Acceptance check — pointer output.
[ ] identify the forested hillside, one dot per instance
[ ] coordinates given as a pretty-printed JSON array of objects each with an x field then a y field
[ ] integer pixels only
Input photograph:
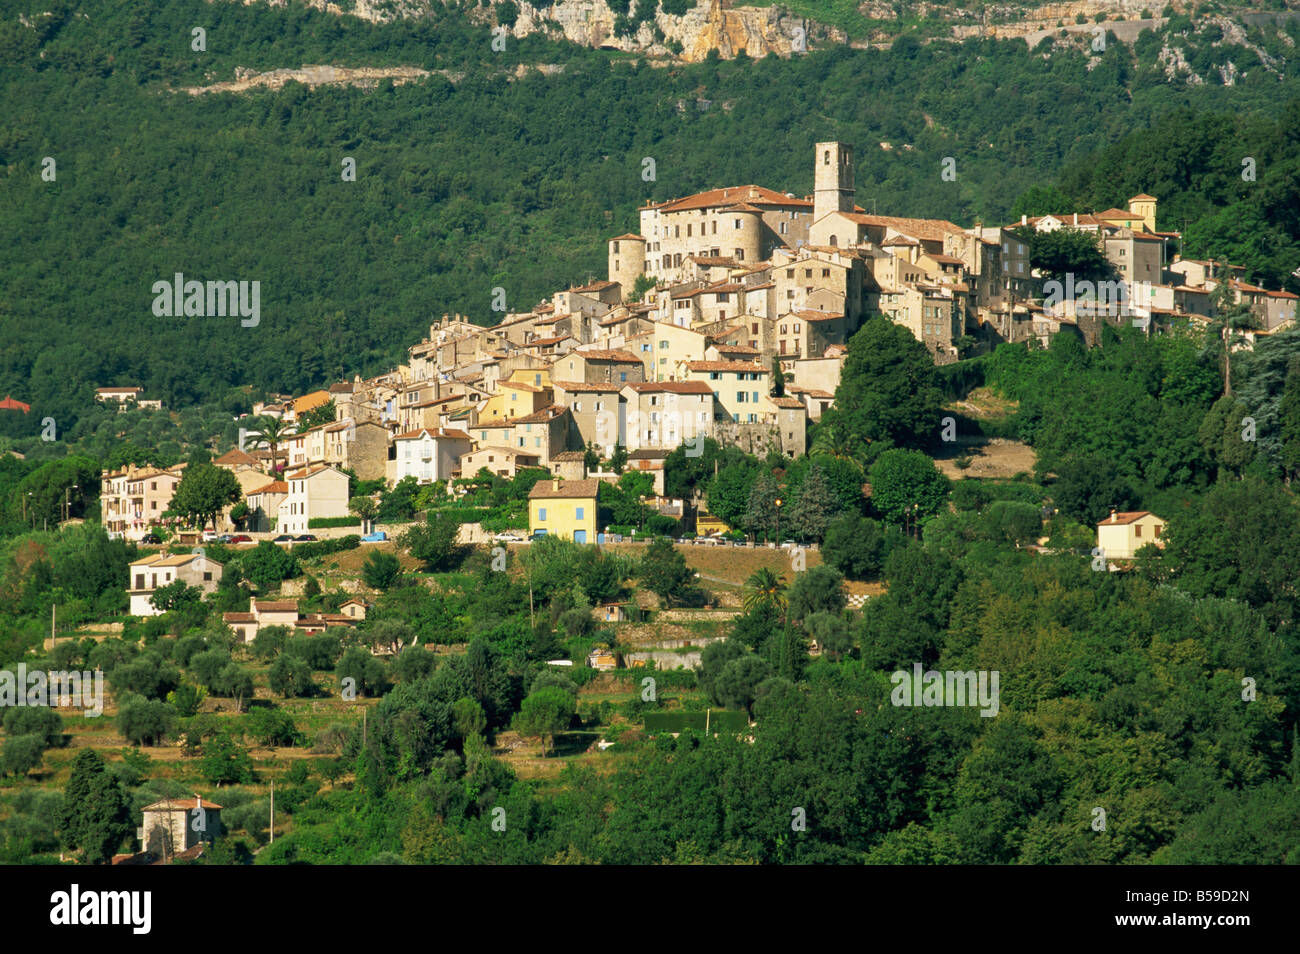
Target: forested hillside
[{"x": 479, "y": 178}]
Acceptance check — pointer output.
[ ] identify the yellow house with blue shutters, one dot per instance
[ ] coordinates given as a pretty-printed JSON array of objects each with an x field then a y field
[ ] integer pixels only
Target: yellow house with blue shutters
[{"x": 563, "y": 508}]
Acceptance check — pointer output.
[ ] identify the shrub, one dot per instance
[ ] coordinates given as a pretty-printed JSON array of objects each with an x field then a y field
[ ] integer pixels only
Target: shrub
[
  {"x": 324, "y": 523},
  {"x": 145, "y": 721}
]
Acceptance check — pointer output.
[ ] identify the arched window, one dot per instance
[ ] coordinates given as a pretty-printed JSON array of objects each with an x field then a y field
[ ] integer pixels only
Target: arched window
[
  {"x": 826, "y": 158},
  {"x": 834, "y": 242}
]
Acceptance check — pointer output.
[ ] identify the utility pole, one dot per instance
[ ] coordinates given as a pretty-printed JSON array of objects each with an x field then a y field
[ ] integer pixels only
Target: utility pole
[
  {"x": 273, "y": 811},
  {"x": 52, "y": 607}
]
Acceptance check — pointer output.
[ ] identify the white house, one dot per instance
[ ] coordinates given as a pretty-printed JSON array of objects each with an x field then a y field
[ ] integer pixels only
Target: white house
[
  {"x": 315, "y": 491},
  {"x": 427, "y": 454},
  {"x": 147, "y": 575}
]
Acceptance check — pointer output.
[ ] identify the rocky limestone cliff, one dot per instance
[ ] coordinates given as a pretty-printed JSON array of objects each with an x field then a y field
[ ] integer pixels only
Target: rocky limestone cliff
[{"x": 712, "y": 25}]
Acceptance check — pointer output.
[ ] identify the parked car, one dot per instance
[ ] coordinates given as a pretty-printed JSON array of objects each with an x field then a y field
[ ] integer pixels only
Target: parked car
[
  {"x": 226, "y": 538},
  {"x": 508, "y": 538},
  {"x": 240, "y": 538},
  {"x": 151, "y": 538},
  {"x": 377, "y": 537},
  {"x": 305, "y": 538},
  {"x": 210, "y": 536},
  {"x": 283, "y": 538}
]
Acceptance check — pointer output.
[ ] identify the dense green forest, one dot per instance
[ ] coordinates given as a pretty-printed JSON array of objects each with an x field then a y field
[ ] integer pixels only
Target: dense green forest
[
  {"x": 1165, "y": 697},
  {"x": 474, "y": 178}
]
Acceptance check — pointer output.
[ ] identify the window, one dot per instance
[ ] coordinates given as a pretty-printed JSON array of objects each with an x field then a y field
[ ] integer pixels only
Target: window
[
  {"x": 789, "y": 273},
  {"x": 677, "y": 231},
  {"x": 724, "y": 296},
  {"x": 153, "y": 485},
  {"x": 715, "y": 226},
  {"x": 1158, "y": 529},
  {"x": 207, "y": 577},
  {"x": 784, "y": 329},
  {"x": 541, "y": 513},
  {"x": 579, "y": 512},
  {"x": 622, "y": 376},
  {"x": 688, "y": 230},
  {"x": 796, "y": 329},
  {"x": 754, "y": 398},
  {"x": 753, "y": 328},
  {"x": 663, "y": 346},
  {"x": 826, "y": 273},
  {"x": 735, "y": 223},
  {"x": 1137, "y": 529},
  {"x": 807, "y": 273},
  {"x": 740, "y": 254}
]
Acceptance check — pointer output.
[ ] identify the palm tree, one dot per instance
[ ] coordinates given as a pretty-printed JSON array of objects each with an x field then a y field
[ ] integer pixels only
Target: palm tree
[
  {"x": 270, "y": 431},
  {"x": 764, "y": 588},
  {"x": 832, "y": 439}
]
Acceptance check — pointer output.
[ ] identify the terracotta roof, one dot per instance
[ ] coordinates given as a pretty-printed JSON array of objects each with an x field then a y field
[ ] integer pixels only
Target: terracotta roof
[
  {"x": 547, "y": 490},
  {"x": 504, "y": 451},
  {"x": 1282, "y": 294},
  {"x": 545, "y": 415},
  {"x": 238, "y": 618},
  {"x": 924, "y": 229},
  {"x": 618, "y": 356},
  {"x": 729, "y": 196},
  {"x": 563, "y": 456},
  {"x": 671, "y": 387},
  {"x": 735, "y": 349},
  {"x": 598, "y": 387},
  {"x": 1143, "y": 197},
  {"x": 793, "y": 403},
  {"x": 275, "y": 487},
  {"x": 176, "y": 804},
  {"x": 521, "y": 386},
  {"x": 9, "y": 404},
  {"x": 434, "y": 432},
  {"x": 596, "y": 286},
  {"x": 630, "y": 236},
  {"x": 546, "y": 342},
  {"x": 119, "y": 390},
  {"x": 235, "y": 456},
  {"x": 343, "y": 387},
  {"x": 811, "y": 392},
  {"x": 649, "y": 453},
  {"x": 818, "y": 315},
  {"x": 1124, "y": 517},
  {"x": 945, "y": 259},
  {"x": 725, "y": 366},
  {"x": 311, "y": 471},
  {"x": 276, "y": 606}
]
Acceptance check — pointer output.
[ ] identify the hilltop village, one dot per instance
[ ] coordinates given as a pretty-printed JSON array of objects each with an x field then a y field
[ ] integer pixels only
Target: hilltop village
[{"x": 728, "y": 316}]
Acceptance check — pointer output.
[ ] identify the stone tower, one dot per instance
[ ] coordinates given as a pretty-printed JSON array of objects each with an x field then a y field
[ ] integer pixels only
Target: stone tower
[
  {"x": 626, "y": 261},
  {"x": 833, "y": 179}
]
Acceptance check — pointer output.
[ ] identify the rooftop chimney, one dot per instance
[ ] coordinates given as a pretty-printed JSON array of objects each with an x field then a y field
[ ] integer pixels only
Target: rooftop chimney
[
  {"x": 1112, "y": 514},
  {"x": 1076, "y": 219},
  {"x": 555, "y": 486},
  {"x": 1024, "y": 219}
]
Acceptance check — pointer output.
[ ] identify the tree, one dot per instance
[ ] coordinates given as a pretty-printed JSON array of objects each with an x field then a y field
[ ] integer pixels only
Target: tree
[
  {"x": 225, "y": 761},
  {"x": 1288, "y": 413},
  {"x": 737, "y": 684},
  {"x": 814, "y": 506},
  {"x": 1066, "y": 251},
  {"x": 618, "y": 460},
  {"x": 433, "y": 542},
  {"x": 45, "y": 724},
  {"x": 856, "y": 546},
  {"x": 761, "y": 515},
  {"x": 1224, "y": 330},
  {"x": 1221, "y": 434},
  {"x": 369, "y": 676},
  {"x": 291, "y": 676},
  {"x": 363, "y": 507},
  {"x": 266, "y": 565},
  {"x": 545, "y": 713},
  {"x": 816, "y": 590},
  {"x": 95, "y": 817},
  {"x": 146, "y": 721},
  {"x": 764, "y": 588},
  {"x": 268, "y": 431},
  {"x": 889, "y": 389},
  {"x": 905, "y": 485},
  {"x": 832, "y": 633},
  {"x": 663, "y": 570},
  {"x": 1040, "y": 200},
  {"x": 176, "y": 595},
  {"x": 590, "y": 459},
  {"x": 315, "y": 417},
  {"x": 778, "y": 378},
  {"x": 22, "y": 753},
  {"x": 381, "y": 570},
  {"x": 1087, "y": 487},
  {"x": 729, "y": 490},
  {"x": 234, "y": 683},
  {"x": 204, "y": 492}
]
